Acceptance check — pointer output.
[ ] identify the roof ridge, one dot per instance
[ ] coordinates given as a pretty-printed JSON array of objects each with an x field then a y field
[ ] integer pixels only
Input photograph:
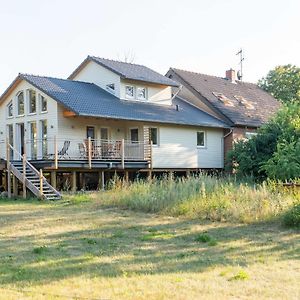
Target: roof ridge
[
  {"x": 51, "y": 77},
  {"x": 214, "y": 76},
  {"x": 119, "y": 61}
]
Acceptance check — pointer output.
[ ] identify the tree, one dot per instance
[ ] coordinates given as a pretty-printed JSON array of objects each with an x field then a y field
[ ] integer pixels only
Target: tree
[
  {"x": 275, "y": 151},
  {"x": 283, "y": 83}
]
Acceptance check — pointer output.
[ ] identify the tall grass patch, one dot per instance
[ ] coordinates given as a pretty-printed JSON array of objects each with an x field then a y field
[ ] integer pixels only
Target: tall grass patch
[{"x": 203, "y": 197}]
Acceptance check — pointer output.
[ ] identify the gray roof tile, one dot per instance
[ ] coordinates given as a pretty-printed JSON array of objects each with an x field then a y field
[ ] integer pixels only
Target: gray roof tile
[
  {"x": 264, "y": 104},
  {"x": 87, "y": 99}
]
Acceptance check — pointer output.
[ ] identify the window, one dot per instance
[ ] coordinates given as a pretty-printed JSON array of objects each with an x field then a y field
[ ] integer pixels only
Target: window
[
  {"x": 141, "y": 93},
  {"x": 200, "y": 139},
  {"x": 250, "y": 135},
  {"x": 32, "y": 101},
  {"x": 43, "y": 104},
  {"x": 134, "y": 135},
  {"x": 153, "y": 135},
  {"x": 90, "y": 132},
  {"x": 44, "y": 137},
  {"x": 10, "y": 112},
  {"x": 104, "y": 133},
  {"x": 111, "y": 87},
  {"x": 20, "y": 98},
  {"x": 33, "y": 140},
  {"x": 129, "y": 92}
]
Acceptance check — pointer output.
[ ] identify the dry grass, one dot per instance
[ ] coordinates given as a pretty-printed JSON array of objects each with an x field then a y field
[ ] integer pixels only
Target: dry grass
[{"x": 67, "y": 251}]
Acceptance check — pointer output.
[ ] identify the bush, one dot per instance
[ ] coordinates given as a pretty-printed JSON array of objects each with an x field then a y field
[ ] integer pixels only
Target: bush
[{"x": 292, "y": 217}]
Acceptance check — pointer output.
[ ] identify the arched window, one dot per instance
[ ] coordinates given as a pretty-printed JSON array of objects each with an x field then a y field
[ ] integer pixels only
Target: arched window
[
  {"x": 20, "y": 101},
  {"x": 32, "y": 101}
]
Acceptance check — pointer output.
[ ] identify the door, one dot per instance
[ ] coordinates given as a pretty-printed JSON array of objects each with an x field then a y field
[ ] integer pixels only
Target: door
[
  {"x": 21, "y": 138},
  {"x": 90, "y": 132},
  {"x": 44, "y": 138}
]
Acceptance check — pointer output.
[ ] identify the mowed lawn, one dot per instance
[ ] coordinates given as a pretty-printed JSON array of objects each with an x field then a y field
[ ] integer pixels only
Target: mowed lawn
[{"x": 82, "y": 251}]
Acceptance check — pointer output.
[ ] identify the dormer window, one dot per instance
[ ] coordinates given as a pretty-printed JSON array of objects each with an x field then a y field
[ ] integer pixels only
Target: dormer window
[
  {"x": 129, "y": 92},
  {"x": 111, "y": 88},
  {"x": 20, "y": 100},
  {"x": 141, "y": 93},
  {"x": 10, "y": 111}
]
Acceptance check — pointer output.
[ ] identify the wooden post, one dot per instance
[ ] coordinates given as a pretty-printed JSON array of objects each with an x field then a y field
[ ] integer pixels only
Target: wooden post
[
  {"x": 41, "y": 183},
  {"x": 123, "y": 153},
  {"x": 90, "y": 152},
  {"x": 126, "y": 176},
  {"x": 53, "y": 179},
  {"x": 24, "y": 175},
  {"x": 15, "y": 186},
  {"x": 188, "y": 173},
  {"x": 74, "y": 182},
  {"x": 8, "y": 181},
  {"x": 103, "y": 180},
  {"x": 150, "y": 175},
  {"x": 55, "y": 153}
]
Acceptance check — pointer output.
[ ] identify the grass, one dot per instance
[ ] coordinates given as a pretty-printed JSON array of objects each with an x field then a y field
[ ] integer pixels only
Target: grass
[
  {"x": 204, "y": 197},
  {"x": 72, "y": 249}
]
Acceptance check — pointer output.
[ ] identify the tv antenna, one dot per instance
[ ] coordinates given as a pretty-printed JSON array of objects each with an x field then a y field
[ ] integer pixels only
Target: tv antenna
[{"x": 240, "y": 72}]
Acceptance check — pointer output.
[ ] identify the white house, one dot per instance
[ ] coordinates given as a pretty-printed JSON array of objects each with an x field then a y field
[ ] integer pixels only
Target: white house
[{"x": 107, "y": 116}]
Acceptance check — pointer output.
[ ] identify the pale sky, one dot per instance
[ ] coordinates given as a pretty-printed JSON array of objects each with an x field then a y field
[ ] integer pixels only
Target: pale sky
[{"x": 52, "y": 38}]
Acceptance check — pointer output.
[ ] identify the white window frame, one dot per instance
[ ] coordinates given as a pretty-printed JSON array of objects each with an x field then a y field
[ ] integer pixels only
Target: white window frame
[
  {"x": 10, "y": 103},
  {"x": 249, "y": 135},
  {"x": 29, "y": 102},
  {"x": 134, "y": 92},
  {"x": 108, "y": 132},
  {"x": 40, "y": 96},
  {"x": 133, "y": 142},
  {"x": 204, "y": 139},
  {"x": 24, "y": 104},
  {"x": 109, "y": 89},
  {"x": 158, "y": 139},
  {"x": 146, "y": 93}
]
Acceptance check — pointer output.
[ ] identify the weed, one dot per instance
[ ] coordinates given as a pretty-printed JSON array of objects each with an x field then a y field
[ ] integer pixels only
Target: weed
[
  {"x": 241, "y": 275},
  {"x": 40, "y": 250}
]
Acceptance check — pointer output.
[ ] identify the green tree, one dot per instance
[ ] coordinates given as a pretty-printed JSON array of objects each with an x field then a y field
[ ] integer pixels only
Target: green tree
[
  {"x": 283, "y": 83},
  {"x": 275, "y": 151}
]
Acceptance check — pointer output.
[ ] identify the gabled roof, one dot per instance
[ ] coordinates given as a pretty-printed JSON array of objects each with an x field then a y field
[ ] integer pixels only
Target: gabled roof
[
  {"x": 127, "y": 71},
  {"x": 242, "y": 103},
  {"x": 87, "y": 99}
]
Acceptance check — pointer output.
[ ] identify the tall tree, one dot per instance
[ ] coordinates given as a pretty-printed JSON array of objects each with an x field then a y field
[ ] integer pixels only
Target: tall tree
[{"x": 283, "y": 83}]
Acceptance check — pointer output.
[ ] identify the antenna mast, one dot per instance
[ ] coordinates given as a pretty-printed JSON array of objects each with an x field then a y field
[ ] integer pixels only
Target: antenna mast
[{"x": 241, "y": 54}]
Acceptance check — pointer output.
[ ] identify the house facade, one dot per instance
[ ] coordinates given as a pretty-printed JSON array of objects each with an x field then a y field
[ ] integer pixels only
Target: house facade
[
  {"x": 108, "y": 116},
  {"x": 243, "y": 106}
]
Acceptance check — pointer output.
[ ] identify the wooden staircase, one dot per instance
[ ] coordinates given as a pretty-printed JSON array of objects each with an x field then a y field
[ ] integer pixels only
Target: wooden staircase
[{"x": 32, "y": 179}]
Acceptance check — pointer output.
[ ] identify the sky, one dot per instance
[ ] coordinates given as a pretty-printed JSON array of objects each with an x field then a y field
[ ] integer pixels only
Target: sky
[{"x": 52, "y": 38}]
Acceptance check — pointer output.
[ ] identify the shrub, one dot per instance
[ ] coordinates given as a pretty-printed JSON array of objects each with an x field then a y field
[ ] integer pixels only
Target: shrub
[{"x": 292, "y": 216}]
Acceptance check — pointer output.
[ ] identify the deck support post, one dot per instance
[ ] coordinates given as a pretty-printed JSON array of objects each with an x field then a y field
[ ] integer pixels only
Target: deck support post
[
  {"x": 101, "y": 181},
  {"x": 55, "y": 153},
  {"x": 15, "y": 186},
  {"x": 8, "y": 181},
  {"x": 188, "y": 173},
  {"x": 90, "y": 152},
  {"x": 149, "y": 176},
  {"x": 53, "y": 179},
  {"x": 126, "y": 176},
  {"x": 24, "y": 176},
  {"x": 74, "y": 182}
]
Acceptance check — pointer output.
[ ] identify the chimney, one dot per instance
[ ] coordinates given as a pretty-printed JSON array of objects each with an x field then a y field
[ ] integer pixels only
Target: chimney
[{"x": 231, "y": 75}]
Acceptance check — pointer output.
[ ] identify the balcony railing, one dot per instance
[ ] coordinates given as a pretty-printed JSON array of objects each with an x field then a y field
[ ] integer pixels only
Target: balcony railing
[{"x": 87, "y": 149}]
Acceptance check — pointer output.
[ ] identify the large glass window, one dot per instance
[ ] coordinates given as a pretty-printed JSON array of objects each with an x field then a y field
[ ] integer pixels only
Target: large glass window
[
  {"x": 10, "y": 134},
  {"x": 32, "y": 101},
  {"x": 10, "y": 111},
  {"x": 104, "y": 133},
  {"x": 201, "y": 139},
  {"x": 43, "y": 104},
  {"x": 90, "y": 132},
  {"x": 153, "y": 135},
  {"x": 44, "y": 131},
  {"x": 20, "y": 98},
  {"x": 33, "y": 140}
]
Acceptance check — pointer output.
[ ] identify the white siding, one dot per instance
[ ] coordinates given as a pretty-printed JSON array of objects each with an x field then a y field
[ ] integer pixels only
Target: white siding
[
  {"x": 212, "y": 155},
  {"x": 178, "y": 148},
  {"x": 100, "y": 76},
  {"x": 50, "y": 116},
  {"x": 158, "y": 94}
]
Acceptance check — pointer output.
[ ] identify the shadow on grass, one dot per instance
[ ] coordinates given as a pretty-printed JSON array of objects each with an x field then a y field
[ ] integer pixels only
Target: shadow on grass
[{"x": 125, "y": 244}]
